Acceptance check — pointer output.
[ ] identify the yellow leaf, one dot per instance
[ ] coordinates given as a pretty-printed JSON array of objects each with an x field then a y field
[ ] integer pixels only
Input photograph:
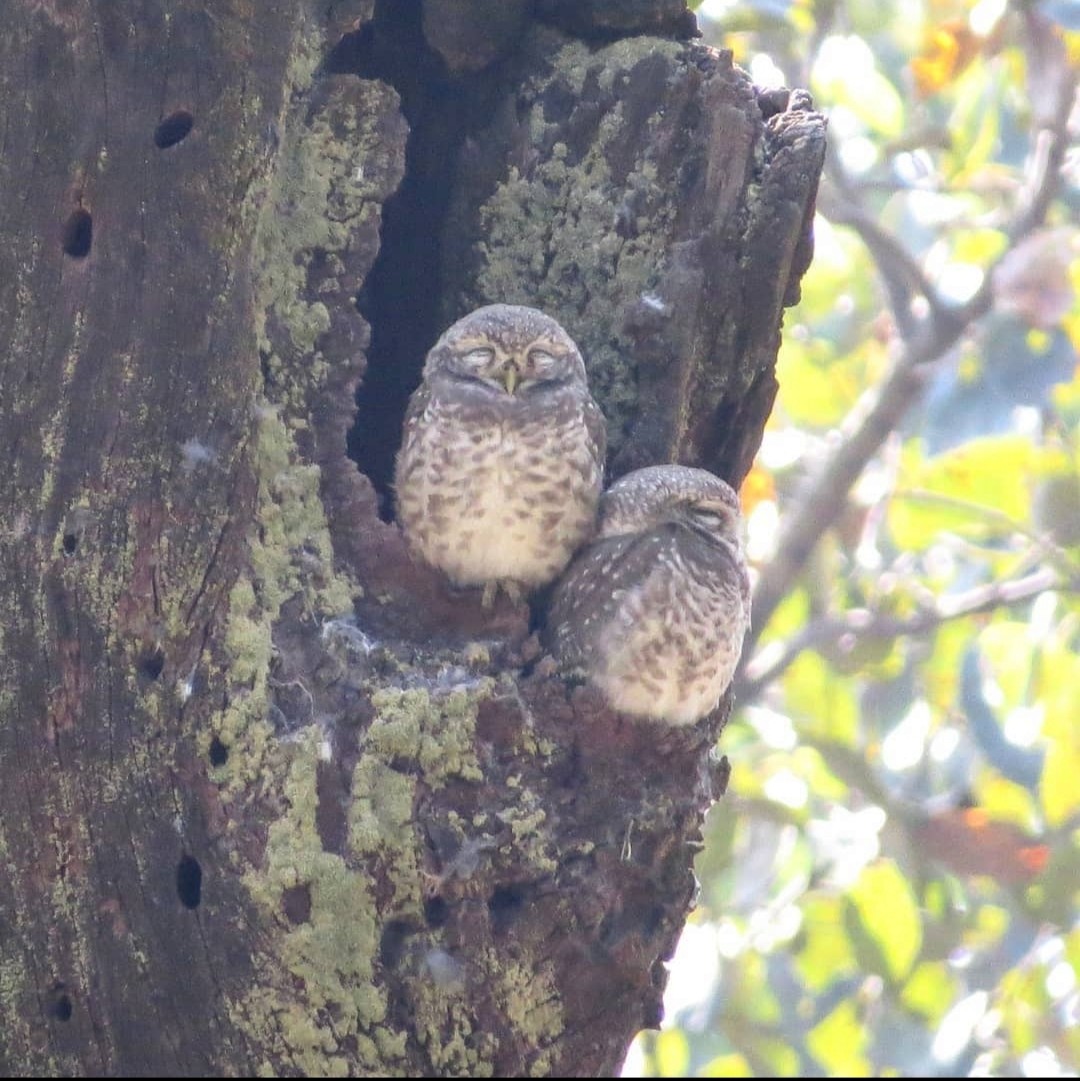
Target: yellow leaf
[
  {"x": 889, "y": 915},
  {"x": 733, "y": 1065},
  {"x": 929, "y": 990},
  {"x": 1059, "y": 791},
  {"x": 826, "y": 954},
  {"x": 822, "y": 705},
  {"x": 838, "y": 1043},
  {"x": 1004, "y": 800},
  {"x": 672, "y": 1052}
]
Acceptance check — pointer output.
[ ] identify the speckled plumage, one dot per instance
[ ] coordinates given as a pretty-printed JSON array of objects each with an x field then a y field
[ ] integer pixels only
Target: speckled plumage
[
  {"x": 654, "y": 610},
  {"x": 501, "y": 463}
]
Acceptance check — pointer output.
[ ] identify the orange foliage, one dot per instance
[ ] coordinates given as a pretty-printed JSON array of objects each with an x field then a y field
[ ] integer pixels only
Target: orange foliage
[
  {"x": 947, "y": 50},
  {"x": 758, "y": 487}
]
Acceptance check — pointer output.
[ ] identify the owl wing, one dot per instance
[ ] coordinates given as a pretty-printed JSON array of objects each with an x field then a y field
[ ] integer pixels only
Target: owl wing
[
  {"x": 591, "y": 591},
  {"x": 595, "y": 425},
  {"x": 414, "y": 413},
  {"x": 418, "y": 402}
]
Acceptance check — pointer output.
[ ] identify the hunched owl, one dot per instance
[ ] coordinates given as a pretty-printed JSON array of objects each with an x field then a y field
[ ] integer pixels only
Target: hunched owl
[
  {"x": 654, "y": 610},
  {"x": 501, "y": 463}
]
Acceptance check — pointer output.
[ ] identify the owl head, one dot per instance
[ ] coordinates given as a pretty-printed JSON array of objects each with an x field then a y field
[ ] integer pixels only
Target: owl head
[
  {"x": 505, "y": 350},
  {"x": 673, "y": 495}
]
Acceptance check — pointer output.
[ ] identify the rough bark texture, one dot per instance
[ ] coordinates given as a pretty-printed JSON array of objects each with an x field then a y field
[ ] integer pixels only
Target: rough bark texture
[{"x": 272, "y": 797}]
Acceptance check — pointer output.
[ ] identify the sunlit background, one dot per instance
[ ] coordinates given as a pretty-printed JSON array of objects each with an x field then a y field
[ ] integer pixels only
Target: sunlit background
[{"x": 890, "y": 884}]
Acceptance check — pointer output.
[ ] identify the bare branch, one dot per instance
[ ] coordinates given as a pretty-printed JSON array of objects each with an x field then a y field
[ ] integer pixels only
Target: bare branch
[
  {"x": 903, "y": 276},
  {"x": 823, "y": 498},
  {"x": 864, "y": 623}
]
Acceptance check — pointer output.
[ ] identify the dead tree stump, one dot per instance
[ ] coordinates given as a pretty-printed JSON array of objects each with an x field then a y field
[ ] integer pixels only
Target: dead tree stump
[{"x": 272, "y": 798}]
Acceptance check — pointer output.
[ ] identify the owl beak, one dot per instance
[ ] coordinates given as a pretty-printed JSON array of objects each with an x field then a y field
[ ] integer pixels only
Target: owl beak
[{"x": 511, "y": 377}]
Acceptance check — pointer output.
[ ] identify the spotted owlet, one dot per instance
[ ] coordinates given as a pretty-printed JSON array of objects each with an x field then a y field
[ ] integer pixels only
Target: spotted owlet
[
  {"x": 501, "y": 463},
  {"x": 655, "y": 609}
]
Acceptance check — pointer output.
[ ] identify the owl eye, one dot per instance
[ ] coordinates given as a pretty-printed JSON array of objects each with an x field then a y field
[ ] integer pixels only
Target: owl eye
[
  {"x": 477, "y": 358},
  {"x": 542, "y": 362},
  {"x": 715, "y": 521}
]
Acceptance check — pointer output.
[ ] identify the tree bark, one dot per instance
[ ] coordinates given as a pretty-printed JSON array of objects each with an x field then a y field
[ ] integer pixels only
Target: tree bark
[{"x": 272, "y": 797}]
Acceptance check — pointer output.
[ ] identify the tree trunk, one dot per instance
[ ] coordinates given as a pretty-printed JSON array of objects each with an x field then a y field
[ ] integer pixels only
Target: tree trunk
[{"x": 273, "y": 798}]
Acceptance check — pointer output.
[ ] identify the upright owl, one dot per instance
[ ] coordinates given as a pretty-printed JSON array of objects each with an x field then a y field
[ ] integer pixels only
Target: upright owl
[
  {"x": 501, "y": 463},
  {"x": 654, "y": 610}
]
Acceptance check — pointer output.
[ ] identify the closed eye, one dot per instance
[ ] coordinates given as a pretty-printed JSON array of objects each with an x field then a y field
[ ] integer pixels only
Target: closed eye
[
  {"x": 477, "y": 358},
  {"x": 715, "y": 521},
  {"x": 541, "y": 363}
]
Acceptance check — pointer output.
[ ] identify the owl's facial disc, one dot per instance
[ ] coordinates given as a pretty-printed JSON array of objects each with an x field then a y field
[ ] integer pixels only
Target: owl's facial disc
[{"x": 515, "y": 366}]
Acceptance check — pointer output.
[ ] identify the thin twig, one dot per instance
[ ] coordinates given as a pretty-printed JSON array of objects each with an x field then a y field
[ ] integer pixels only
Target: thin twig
[
  {"x": 864, "y": 623},
  {"x": 1042, "y": 544},
  {"x": 903, "y": 276}
]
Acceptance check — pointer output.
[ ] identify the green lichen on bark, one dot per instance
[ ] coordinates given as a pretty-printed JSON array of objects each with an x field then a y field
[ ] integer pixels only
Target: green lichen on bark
[
  {"x": 336, "y": 168},
  {"x": 316, "y": 1006},
  {"x": 437, "y": 731},
  {"x": 445, "y": 1028},
  {"x": 290, "y": 557},
  {"x": 414, "y": 734},
  {"x": 445, "y": 1020},
  {"x": 16, "y": 988},
  {"x": 319, "y": 1006},
  {"x": 533, "y": 1006},
  {"x": 337, "y": 1020},
  {"x": 642, "y": 194},
  {"x": 316, "y": 1002},
  {"x": 548, "y": 232}
]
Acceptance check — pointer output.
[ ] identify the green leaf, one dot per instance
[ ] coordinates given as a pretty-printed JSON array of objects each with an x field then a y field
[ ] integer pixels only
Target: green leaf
[
  {"x": 1072, "y": 950},
  {"x": 779, "y": 1058},
  {"x": 1004, "y": 800},
  {"x": 990, "y": 925},
  {"x": 941, "y": 671},
  {"x": 1023, "y": 992},
  {"x": 1059, "y": 681},
  {"x": 980, "y": 490},
  {"x": 822, "y": 704},
  {"x": 975, "y": 125},
  {"x": 889, "y": 916},
  {"x": 821, "y": 388},
  {"x": 730, "y": 1065},
  {"x": 750, "y": 983},
  {"x": 826, "y": 953},
  {"x": 1007, "y": 646},
  {"x": 839, "y": 1041},
  {"x": 671, "y": 1052},
  {"x": 979, "y": 246},
  {"x": 929, "y": 990}
]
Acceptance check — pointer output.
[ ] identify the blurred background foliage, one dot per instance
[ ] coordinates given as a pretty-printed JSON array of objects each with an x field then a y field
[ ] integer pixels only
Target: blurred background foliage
[{"x": 890, "y": 885}]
